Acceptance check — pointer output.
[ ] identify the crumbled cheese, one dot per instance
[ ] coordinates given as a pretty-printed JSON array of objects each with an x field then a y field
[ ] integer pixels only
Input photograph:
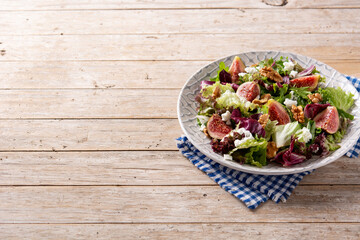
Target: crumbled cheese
[
  {"x": 289, "y": 66},
  {"x": 202, "y": 127},
  {"x": 247, "y": 136},
  {"x": 202, "y": 119},
  {"x": 293, "y": 74},
  {"x": 226, "y": 117},
  {"x": 306, "y": 134},
  {"x": 228, "y": 157},
  {"x": 288, "y": 102},
  {"x": 251, "y": 70},
  {"x": 242, "y": 74}
]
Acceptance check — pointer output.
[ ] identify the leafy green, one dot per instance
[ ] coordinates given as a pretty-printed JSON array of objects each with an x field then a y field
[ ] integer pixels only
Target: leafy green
[
  {"x": 255, "y": 153},
  {"x": 338, "y": 98},
  {"x": 303, "y": 135},
  {"x": 301, "y": 95},
  {"x": 209, "y": 89},
  {"x": 270, "y": 129},
  {"x": 222, "y": 66},
  {"x": 231, "y": 99},
  {"x": 344, "y": 114},
  {"x": 283, "y": 133},
  {"x": 280, "y": 92},
  {"x": 331, "y": 143},
  {"x": 311, "y": 126}
]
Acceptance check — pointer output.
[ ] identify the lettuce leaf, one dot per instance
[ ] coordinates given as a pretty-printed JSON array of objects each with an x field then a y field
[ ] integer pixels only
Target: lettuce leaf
[
  {"x": 231, "y": 99},
  {"x": 283, "y": 133},
  {"x": 338, "y": 98},
  {"x": 252, "y": 152},
  {"x": 270, "y": 129},
  {"x": 208, "y": 90}
]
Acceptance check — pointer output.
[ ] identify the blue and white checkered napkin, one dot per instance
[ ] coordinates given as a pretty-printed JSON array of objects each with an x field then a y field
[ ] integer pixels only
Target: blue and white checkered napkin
[{"x": 250, "y": 188}]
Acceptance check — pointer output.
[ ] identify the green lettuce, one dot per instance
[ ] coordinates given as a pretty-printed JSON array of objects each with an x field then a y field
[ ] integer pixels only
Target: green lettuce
[
  {"x": 338, "y": 98},
  {"x": 270, "y": 129},
  {"x": 252, "y": 151},
  {"x": 208, "y": 90},
  {"x": 231, "y": 99},
  {"x": 283, "y": 133}
]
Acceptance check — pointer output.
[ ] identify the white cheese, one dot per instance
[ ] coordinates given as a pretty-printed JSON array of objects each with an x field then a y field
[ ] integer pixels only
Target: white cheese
[
  {"x": 247, "y": 136},
  {"x": 289, "y": 66},
  {"x": 306, "y": 134},
  {"x": 251, "y": 70},
  {"x": 242, "y": 74},
  {"x": 288, "y": 102},
  {"x": 202, "y": 127},
  {"x": 226, "y": 117},
  {"x": 293, "y": 74}
]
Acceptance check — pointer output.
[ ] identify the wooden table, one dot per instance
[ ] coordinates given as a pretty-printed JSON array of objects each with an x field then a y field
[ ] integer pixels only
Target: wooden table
[{"x": 88, "y": 118}]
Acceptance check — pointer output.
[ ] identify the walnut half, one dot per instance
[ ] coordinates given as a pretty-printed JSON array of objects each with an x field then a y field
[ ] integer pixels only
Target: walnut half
[
  {"x": 263, "y": 120},
  {"x": 298, "y": 113},
  {"x": 315, "y": 98},
  {"x": 264, "y": 98},
  {"x": 271, "y": 74},
  {"x": 271, "y": 150}
]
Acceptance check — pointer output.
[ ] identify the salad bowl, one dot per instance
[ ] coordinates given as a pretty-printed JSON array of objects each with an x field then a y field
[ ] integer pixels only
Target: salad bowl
[{"x": 187, "y": 111}]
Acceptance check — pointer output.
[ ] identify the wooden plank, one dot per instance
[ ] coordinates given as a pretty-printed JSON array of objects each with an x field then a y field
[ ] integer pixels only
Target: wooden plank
[
  {"x": 173, "y": 47},
  {"x": 92, "y": 103},
  {"x": 160, "y": 4},
  {"x": 111, "y": 74},
  {"x": 133, "y": 168},
  {"x": 107, "y": 134},
  {"x": 208, "y": 231},
  {"x": 181, "y": 204},
  {"x": 191, "y": 21}
]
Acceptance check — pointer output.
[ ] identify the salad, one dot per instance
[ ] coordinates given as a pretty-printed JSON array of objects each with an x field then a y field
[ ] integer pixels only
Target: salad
[{"x": 272, "y": 111}]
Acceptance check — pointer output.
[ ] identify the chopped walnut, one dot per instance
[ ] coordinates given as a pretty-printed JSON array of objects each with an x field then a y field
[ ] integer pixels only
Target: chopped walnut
[
  {"x": 264, "y": 98},
  {"x": 206, "y": 132},
  {"x": 216, "y": 92},
  {"x": 271, "y": 74},
  {"x": 315, "y": 98},
  {"x": 263, "y": 120},
  {"x": 298, "y": 113},
  {"x": 271, "y": 150}
]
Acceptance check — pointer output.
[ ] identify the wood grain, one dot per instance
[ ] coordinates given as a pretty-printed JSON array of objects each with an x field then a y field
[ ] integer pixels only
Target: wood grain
[
  {"x": 173, "y": 47},
  {"x": 92, "y": 103},
  {"x": 133, "y": 168},
  {"x": 175, "y": 204},
  {"x": 181, "y": 21},
  {"x": 169, "y": 4},
  {"x": 210, "y": 231},
  {"x": 100, "y": 134},
  {"x": 109, "y": 74}
]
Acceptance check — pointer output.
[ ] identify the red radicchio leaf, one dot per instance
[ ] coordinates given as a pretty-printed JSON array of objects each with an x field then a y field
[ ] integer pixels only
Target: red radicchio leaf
[
  {"x": 224, "y": 76},
  {"x": 236, "y": 116},
  {"x": 311, "y": 110},
  {"x": 252, "y": 126},
  {"x": 286, "y": 79},
  {"x": 307, "y": 71},
  {"x": 289, "y": 157}
]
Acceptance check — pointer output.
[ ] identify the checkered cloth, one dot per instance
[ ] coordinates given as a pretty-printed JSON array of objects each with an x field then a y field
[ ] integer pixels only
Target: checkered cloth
[{"x": 250, "y": 188}]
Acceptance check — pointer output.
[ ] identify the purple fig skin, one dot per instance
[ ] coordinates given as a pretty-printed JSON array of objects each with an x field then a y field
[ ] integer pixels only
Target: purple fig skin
[
  {"x": 216, "y": 128},
  {"x": 328, "y": 120}
]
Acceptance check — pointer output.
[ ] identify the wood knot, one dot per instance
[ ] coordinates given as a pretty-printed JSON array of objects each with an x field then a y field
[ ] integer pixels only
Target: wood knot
[{"x": 276, "y": 3}]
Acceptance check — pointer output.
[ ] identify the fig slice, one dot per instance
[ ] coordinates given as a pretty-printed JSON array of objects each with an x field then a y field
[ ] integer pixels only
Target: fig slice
[
  {"x": 308, "y": 81},
  {"x": 277, "y": 112},
  {"x": 248, "y": 90},
  {"x": 217, "y": 128},
  {"x": 237, "y": 66},
  {"x": 328, "y": 120}
]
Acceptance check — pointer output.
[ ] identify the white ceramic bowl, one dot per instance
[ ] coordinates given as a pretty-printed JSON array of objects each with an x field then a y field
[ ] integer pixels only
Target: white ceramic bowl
[{"x": 187, "y": 112}]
